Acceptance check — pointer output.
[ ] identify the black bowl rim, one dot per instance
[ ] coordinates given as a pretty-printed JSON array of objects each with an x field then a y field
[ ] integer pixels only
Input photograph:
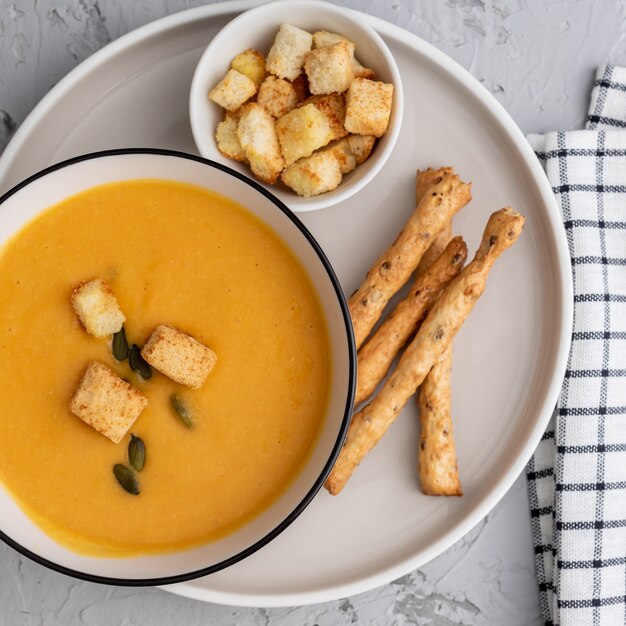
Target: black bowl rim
[{"x": 179, "y": 578}]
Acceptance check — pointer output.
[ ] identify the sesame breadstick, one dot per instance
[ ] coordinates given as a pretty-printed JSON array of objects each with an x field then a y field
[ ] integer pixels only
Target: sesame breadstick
[
  {"x": 394, "y": 267},
  {"x": 437, "y": 464},
  {"x": 377, "y": 354},
  {"x": 431, "y": 341}
]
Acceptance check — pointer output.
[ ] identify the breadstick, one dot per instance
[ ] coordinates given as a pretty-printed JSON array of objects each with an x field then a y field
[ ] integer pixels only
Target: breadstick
[
  {"x": 437, "y": 465},
  {"x": 425, "y": 178},
  {"x": 438, "y": 469},
  {"x": 394, "y": 267},
  {"x": 379, "y": 351},
  {"x": 431, "y": 341},
  {"x": 435, "y": 250}
]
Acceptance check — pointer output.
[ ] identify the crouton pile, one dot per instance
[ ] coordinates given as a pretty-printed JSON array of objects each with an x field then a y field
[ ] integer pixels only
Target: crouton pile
[{"x": 308, "y": 113}]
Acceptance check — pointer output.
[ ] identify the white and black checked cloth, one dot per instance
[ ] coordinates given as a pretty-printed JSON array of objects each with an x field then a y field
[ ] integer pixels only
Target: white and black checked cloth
[{"x": 577, "y": 476}]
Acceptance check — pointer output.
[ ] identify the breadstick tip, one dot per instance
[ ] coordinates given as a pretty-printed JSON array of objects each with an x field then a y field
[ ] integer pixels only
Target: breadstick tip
[{"x": 502, "y": 230}]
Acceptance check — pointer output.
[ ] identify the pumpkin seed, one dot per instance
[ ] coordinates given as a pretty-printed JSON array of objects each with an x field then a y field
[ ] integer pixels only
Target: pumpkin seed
[
  {"x": 120, "y": 345},
  {"x": 136, "y": 452},
  {"x": 181, "y": 410},
  {"x": 126, "y": 479},
  {"x": 138, "y": 363}
]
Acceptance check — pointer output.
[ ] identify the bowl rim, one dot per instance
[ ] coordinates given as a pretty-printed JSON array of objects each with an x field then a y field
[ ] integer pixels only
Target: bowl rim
[
  {"x": 345, "y": 422},
  {"x": 327, "y": 199}
]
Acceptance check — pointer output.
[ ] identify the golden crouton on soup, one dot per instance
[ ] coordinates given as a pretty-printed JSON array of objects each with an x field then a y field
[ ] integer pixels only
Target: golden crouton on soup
[
  {"x": 106, "y": 402},
  {"x": 179, "y": 356},
  {"x": 97, "y": 308}
]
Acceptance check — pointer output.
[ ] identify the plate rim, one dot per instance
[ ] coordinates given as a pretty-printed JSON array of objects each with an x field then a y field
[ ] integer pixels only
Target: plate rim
[{"x": 563, "y": 291}]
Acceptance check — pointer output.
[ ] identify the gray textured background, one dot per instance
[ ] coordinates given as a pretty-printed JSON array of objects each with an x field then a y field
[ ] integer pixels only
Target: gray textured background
[{"x": 538, "y": 57}]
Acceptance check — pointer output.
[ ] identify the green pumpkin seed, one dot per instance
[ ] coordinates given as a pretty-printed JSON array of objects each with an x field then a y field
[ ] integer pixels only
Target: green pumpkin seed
[
  {"x": 136, "y": 452},
  {"x": 181, "y": 410},
  {"x": 126, "y": 479},
  {"x": 120, "y": 345},
  {"x": 138, "y": 363}
]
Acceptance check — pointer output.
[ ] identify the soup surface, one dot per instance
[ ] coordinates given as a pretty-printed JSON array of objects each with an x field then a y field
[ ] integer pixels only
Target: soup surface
[{"x": 173, "y": 254}]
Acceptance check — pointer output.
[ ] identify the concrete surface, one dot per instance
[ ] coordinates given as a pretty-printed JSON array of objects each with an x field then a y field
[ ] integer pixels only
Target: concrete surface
[{"x": 538, "y": 58}]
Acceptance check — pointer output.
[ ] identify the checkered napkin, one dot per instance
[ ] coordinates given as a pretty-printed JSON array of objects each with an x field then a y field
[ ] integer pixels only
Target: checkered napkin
[{"x": 577, "y": 476}]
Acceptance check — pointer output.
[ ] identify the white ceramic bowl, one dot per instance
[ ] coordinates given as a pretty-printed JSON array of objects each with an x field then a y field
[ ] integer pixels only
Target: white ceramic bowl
[
  {"x": 58, "y": 182},
  {"x": 257, "y": 28}
]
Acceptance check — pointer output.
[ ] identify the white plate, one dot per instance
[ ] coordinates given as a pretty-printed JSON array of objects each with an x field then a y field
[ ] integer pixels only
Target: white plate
[{"x": 509, "y": 358}]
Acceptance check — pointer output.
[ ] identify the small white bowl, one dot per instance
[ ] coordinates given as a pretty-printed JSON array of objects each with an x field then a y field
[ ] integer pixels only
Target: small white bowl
[
  {"x": 49, "y": 187},
  {"x": 256, "y": 29}
]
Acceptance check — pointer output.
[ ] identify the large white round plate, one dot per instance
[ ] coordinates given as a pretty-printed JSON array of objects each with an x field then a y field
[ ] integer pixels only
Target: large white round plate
[{"x": 509, "y": 358}]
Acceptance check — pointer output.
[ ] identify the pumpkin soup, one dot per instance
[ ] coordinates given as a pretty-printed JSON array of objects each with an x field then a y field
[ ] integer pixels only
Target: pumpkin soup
[{"x": 173, "y": 254}]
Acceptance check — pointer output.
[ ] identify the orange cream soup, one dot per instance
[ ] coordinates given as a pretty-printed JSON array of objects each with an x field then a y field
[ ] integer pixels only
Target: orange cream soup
[{"x": 172, "y": 254}]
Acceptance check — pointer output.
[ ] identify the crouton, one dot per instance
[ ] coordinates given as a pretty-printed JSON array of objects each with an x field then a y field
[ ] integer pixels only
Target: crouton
[
  {"x": 329, "y": 69},
  {"x": 361, "y": 146},
  {"x": 179, "y": 356},
  {"x": 97, "y": 308},
  {"x": 286, "y": 57},
  {"x": 106, "y": 402},
  {"x": 257, "y": 135},
  {"x": 250, "y": 63},
  {"x": 227, "y": 139},
  {"x": 302, "y": 131},
  {"x": 233, "y": 90},
  {"x": 368, "y": 107},
  {"x": 323, "y": 38},
  {"x": 277, "y": 96},
  {"x": 333, "y": 106},
  {"x": 313, "y": 175},
  {"x": 360, "y": 71},
  {"x": 341, "y": 151},
  {"x": 301, "y": 87}
]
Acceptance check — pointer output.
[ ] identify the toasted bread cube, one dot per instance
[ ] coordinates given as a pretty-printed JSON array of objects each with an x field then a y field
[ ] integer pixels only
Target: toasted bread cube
[
  {"x": 179, "y": 356},
  {"x": 301, "y": 87},
  {"x": 360, "y": 71},
  {"x": 250, "y": 63},
  {"x": 97, "y": 308},
  {"x": 333, "y": 106},
  {"x": 341, "y": 151},
  {"x": 313, "y": 175},
  {"x": 302, "y": 131},
  {"x": 323, "y": 38},
  {"x": 286, "y": 57},
  {"x": 361, "y": 146},
  {"x": 368, "y": 107},
  {"x": 233, "y": 90},
  {"x": 277, "y": 96},
  {"x": 329, "y": 69},
  {"x": 227, "y": 139},
  {"x": 257, "y": 135},
  {"x": 106, "y": 402}
]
